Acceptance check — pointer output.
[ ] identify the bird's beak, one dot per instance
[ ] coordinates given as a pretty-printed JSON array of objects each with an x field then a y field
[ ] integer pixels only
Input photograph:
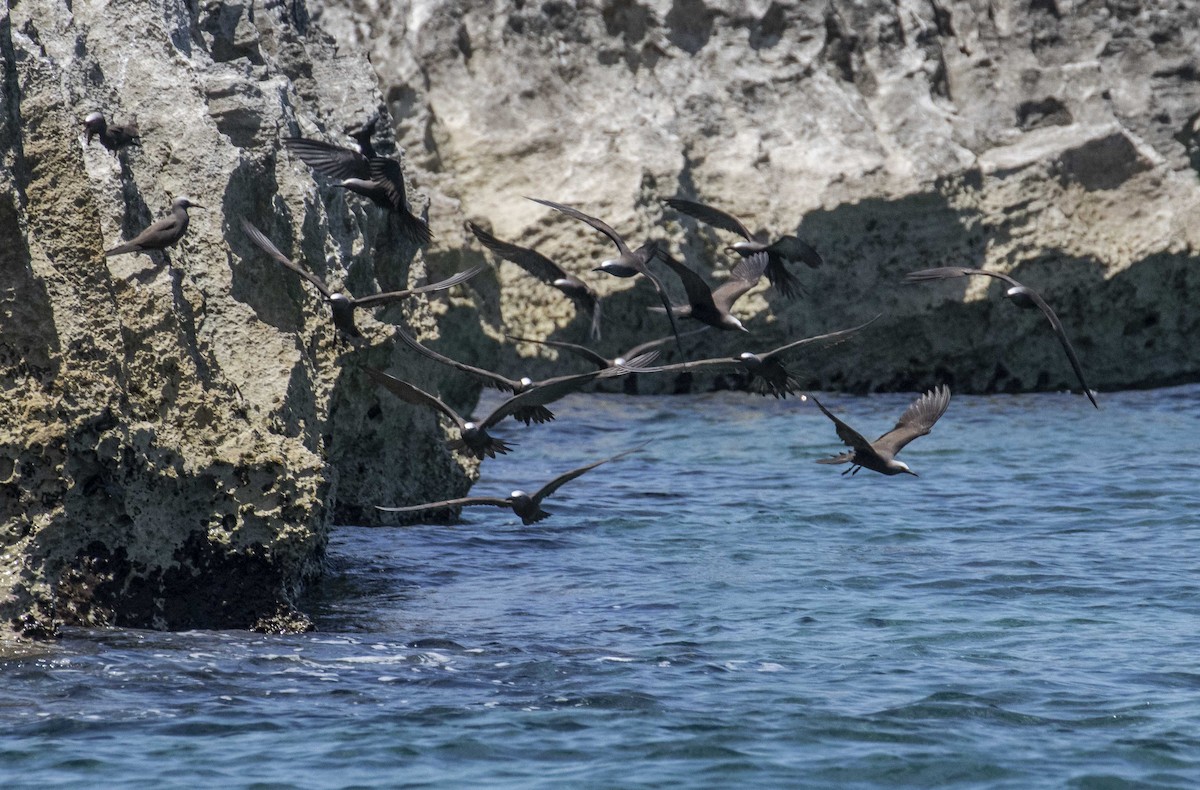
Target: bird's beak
[
  {"x": 730, "y": 249},
  {"x": 744, "y": 329},
  {"x": 197, "y": 205},
  {"x": 911, "y": 472}
]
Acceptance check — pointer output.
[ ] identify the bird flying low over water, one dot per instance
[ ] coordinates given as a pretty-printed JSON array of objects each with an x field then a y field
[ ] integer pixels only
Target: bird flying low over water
[
  {"x": 527, "y": 506},
  {"x": 880, "y": 455},
  {"x": 112, "y": 137},
  {"x": 765, "y": 370},
  {"x": 161, "y": 234},
  {"x": 547, "y": 271},
  {"x": 711, "y": 306},
  {"x": 1021, "y": 296},
  {"x": 529, "y": 405},
  {"x": 375, "y": 177},
  {"x": 628, "y": 263},
  {"x": 785, "y": 249},
  {"x": 343, "y": 306}
]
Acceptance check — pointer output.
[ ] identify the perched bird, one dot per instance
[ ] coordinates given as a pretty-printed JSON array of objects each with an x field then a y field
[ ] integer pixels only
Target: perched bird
[
  {"x": 785, "y": 249},
  {"x": 766, "y": 374},
  {"x": 375, "y": 177},
  {"x": 1021, "y": 296},
  {"x": 547, "y": 271},
  {"x": 162, "y": 234},
  {"x": 526, "y": 413},
  {"x": 343, "y": 306},
  {"x": 880, "y": 455},
  {"x": 712, "y": 306},
  {"x": 529, "y": 405},
  {"x": 112, "y": 137},
  {"x": 601, "y": 361},
  {"x": 528, "y": 507},
  {"x": 629, "y": 263}
]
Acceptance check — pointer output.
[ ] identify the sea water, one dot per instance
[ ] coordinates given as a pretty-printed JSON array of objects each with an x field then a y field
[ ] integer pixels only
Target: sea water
[{"x": 715, "y": 610}]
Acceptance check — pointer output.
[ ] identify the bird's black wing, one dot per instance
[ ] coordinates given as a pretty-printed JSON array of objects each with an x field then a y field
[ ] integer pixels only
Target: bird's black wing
[
  {"x": 841, "y": 334},
  {"x": 1057, "y": 326},
  {"x": 470, "y": 500},
  {"x": 489, "y": 378},
  {"x": 260, "y": 239},
  {"x": 947, "y": 272},
  {"x": 328, "y": 159},
  {"x": 698, "y": 292},
  {"x": 595, "y": 223},
  {"x": 412, "y": 394},
  {"x": 574, "y": 348},
  {"x": 540, "y": 394},
  {"x": 528, "y": 259},
  {"x": 793, "y": 248},
  {"x": 387, "y": 175},
  {"x": 745, "y": 276},
  {"x": 567, "y": 477},
  {"x": 710, "y": 216},
  {"x": 848, "y": 435},
  {"x": 917, "y": 420},
  {"x": 440, "y": 285}
]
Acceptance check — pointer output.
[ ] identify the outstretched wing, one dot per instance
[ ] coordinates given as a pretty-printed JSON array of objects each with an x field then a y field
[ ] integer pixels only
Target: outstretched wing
[
  {"x": 440, "y": 285},
  {"x": 947, "y": 272},
  {"x": 270, "y": 249},
  {"x": 683, "y": 367},
  {"x": 710, "y": 216},
  {"x": 328, "y": 159},
  {"x": 917, "y": 420},
  {"x": 567, "y": 477},
  {"x": 827, "y": 337},
  {"x": 528, "y": 259},
  {"x": 698, "y": 292},
  {"x": 848, "y": 435},
  {"x": 595, "y": 223},
  {"x": 388, "y": 178},
  {"x": 574, "y": 348},
  {"x": 795, "y": 249},
  {"x": 470, "y": 500},
  {"x": 1056, "y": 325},
  {"x": 486, "y": 376},
  {"x": 412, "y": 394},
  {"x": 745, "y": 276},
  {"x": 540, "y": 394}
]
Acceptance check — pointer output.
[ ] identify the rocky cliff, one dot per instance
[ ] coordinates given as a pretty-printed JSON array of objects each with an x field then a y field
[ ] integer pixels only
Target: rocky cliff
[
  {"x": 1052, "y": 140},
  {"x": 177, "y": 434}
]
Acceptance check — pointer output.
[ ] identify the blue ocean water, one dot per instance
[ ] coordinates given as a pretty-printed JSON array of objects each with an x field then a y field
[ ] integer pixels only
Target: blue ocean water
[{"x": 713, "y": 611}]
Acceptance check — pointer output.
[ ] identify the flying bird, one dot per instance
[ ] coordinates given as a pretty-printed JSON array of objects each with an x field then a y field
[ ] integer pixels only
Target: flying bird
[
  {"x": 375, "y": 177},
  {"x": 112, "y": 137},
  {"x": 343, "y": 306},
  {"x": 880, "y": 455},
  {"x": 766, "y": 374},
  {"x": 629, "y": 263},
  {"x": 601, "y": 361},
  {"x": 162, "y": 234},
  {"x": 711, "y": 306},
  {"x": 527, "y": 506},
  {"x": 529, "y": 405},
  {"x": 785, "y": 249},
  {"x": 547, "y": 271},
  {"x": 1020, "y": 295}
]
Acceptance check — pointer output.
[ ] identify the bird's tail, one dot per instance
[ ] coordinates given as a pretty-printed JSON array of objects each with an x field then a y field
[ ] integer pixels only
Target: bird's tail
[
  {"x": 840, "y": 458},
  {"x": 528, "y": 414},
  {"x": 489, "y": 448},
  {"x": 785, "y": 282},
  {"x": 596, "y": 319},
  {"x": 121, "y": 250},
  {"x": 535, "y": 517}
]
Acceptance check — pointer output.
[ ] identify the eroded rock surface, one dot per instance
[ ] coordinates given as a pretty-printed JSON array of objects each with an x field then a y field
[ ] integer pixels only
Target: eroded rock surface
[
  {"x": 1053, "y": 141},
  {"x": 177, "y": 433}
]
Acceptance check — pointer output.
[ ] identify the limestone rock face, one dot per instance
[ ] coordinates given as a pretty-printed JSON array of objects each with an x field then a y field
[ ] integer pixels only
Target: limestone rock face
[
  {"x": 1053, "y": 141},
  {"x": 177, "y": 432}
]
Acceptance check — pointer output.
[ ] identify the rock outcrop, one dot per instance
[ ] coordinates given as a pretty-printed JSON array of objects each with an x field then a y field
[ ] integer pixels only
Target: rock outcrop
[
  {"x": 1054, "y": 141},
  {"x": 177, "y": 433}
]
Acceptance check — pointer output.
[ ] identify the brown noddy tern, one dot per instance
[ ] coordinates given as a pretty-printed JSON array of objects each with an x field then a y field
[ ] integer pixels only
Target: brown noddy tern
[
  {"x": 112, "y": 137},
  {"x": 765, "y": 370},
  {"x": 340, "y": 304},
  {"x": 366, "y": 173},
  {"x": 629, "y": 263},
  {"x": 473, "y": 436},
  {"x": 785, "y": 249},
  {"x": 1020, "y": 295},
  {"x": 163, "y": 233},
  {"x": 527, "y": 506},
  {"x": 536, "y": 412},
  {"x": 547, "y": 271},
  {"x": 712, "y": 306},
  {"x": 880, "y": 455},
  {"x": 601, "y": 361}
]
